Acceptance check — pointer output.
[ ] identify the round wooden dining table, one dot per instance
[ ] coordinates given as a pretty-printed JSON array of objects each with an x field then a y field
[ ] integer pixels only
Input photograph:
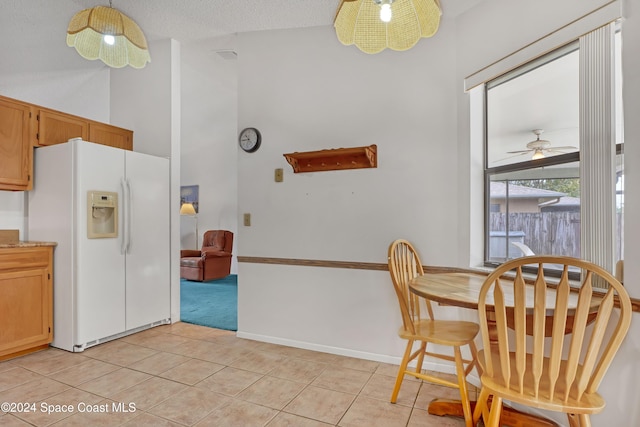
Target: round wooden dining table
[{"x": 462, "y": 289}]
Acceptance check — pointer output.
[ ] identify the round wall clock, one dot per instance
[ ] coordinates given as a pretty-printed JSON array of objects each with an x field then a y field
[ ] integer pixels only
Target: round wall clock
[{"x": 250, "y": 139}]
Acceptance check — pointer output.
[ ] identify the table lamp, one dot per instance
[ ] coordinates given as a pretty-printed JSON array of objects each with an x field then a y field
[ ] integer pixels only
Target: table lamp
[{"x": 188, "y": 209}]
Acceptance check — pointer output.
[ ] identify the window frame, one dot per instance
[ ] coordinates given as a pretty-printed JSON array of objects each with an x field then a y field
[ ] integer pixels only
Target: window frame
[{"x": 488, "y": 172}]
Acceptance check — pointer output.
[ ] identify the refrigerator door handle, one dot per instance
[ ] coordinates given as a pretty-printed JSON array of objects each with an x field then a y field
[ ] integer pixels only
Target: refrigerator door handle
[
  {"x": 123, "y": 245},
  {"x": 129, "y": 214}
]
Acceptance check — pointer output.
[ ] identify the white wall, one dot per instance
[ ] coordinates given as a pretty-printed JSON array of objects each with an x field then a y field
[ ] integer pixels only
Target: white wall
[
  {"x": 622, "y": 385},
  {"x": 522, "y": 23},
  {"x": 83, "y": 92},
  {"x": 141, "y": 100},
  {"x": 209, "y": 150},
  {"x": 305, "y": 91},
  {"x": 631, "y": 89}
]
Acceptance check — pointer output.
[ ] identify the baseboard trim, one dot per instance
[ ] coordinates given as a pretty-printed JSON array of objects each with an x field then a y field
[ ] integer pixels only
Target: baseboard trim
[
  {"x": 319, "y": 347},
  {"x": 382, "y": 358}
]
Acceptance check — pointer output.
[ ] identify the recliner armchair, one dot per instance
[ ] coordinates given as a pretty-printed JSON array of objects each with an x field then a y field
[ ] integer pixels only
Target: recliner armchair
[{"x": 212, "y": 262}]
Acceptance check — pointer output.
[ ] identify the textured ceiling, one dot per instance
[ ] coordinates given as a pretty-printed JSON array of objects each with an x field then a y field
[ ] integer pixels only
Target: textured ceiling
[
  {"x": 40, "y": 25},
  {"x": 34, "y": 34},
  {"x": 188, "y": 20}
]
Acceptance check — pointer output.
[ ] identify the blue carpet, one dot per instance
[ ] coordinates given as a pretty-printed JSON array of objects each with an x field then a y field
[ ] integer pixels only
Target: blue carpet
[{"x": 213, "y": 303}]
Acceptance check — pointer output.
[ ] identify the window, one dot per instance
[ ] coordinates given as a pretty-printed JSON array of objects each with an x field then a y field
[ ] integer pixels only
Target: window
[
  {"x": 532, "y": 158},
  {"x": 619, "y": 150},
  {"x": 539, "y": 207}
]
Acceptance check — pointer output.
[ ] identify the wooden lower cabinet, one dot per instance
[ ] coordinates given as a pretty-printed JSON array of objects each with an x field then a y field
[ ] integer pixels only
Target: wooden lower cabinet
[{"x": 26, "y": 300}]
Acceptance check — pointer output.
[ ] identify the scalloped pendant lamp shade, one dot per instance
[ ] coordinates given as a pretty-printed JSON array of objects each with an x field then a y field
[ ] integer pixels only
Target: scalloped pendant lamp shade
[
  {"x": 87, "y": 31},
  {"x": 358, "y": 22}
]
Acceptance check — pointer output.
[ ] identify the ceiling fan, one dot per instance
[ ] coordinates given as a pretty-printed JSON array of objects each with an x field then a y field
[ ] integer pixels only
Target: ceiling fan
[{"x": 541, "y": 147}]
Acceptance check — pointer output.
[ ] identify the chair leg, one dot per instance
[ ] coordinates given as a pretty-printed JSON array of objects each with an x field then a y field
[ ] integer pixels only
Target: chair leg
[
  {"x": 495, "y": 412},
  {"x": 579, "y": 420},
  {"x": 403, "y": 367},
  {"x": 585, "y": 420},
  {"x": 474, "y": 356},
  {"x": 481, "y": 407},
  {"x": 462, "y": 384},
  {"x": 423, "y": 350}
]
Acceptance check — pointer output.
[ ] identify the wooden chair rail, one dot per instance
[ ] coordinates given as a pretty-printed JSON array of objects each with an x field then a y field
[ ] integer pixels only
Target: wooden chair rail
[{"x": 635, "y": 303}]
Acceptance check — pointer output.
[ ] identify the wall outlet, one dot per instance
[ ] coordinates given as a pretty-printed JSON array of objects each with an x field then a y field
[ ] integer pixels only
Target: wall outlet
[{"x": 247, "y": 220}]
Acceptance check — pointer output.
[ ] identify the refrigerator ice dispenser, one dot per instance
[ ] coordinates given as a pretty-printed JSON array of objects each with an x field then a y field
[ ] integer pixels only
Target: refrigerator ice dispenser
[{"x": 102, "y": 214}]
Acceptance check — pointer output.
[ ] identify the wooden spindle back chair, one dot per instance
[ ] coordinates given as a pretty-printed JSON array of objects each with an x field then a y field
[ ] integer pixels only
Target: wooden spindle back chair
[
  {"x": 550, "y": 370},
  {"x": 405, "y": 265}
]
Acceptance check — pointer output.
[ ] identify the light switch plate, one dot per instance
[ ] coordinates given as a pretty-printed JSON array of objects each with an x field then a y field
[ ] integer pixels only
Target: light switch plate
[
  {"x": 247, "y": 220},
  {"x": 279, "y": 175}
]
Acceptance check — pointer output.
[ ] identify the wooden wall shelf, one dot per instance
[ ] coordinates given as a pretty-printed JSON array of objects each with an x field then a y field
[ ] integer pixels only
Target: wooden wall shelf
[{"x": 334, "y": 159}]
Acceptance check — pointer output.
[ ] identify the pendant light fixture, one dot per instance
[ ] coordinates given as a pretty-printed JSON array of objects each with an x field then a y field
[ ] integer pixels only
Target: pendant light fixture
[
  {"x": 107, "y": 34},
  {"x": 385, "y": 9},
  {"x": 374, "y": 25}
]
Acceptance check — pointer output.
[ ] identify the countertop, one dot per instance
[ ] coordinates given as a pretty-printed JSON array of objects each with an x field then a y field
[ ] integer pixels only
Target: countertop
[{"x": 26, "y": 244}]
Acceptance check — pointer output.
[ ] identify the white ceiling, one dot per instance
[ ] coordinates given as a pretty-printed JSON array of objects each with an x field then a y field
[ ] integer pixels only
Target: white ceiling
[
  {"x": 40, "y": 25},
  {"x": 34, "y": 32}
]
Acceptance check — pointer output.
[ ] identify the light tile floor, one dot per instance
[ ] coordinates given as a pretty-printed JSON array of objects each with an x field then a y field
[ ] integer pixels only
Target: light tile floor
[{"x": 185, "y": 375}]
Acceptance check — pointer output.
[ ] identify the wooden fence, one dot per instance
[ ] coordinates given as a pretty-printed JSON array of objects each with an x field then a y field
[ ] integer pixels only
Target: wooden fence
[{"x": 554, "y": 233}]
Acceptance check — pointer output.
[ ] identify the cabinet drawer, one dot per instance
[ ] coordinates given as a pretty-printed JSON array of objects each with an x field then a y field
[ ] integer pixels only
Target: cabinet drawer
[{"x": 24, "y": 258}]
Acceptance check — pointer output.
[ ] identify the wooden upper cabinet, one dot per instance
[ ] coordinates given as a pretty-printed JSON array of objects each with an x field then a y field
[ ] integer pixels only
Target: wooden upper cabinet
[
  {"x": 15, "y": 146},
  {"x": 113, "y": 136},
  {"x": 56, "y": 128},
  {"x": 24, "y": 126}
]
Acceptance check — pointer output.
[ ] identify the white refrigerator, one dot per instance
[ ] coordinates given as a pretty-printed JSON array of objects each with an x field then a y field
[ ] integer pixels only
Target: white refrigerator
[{"x": 103, "y": 287}]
